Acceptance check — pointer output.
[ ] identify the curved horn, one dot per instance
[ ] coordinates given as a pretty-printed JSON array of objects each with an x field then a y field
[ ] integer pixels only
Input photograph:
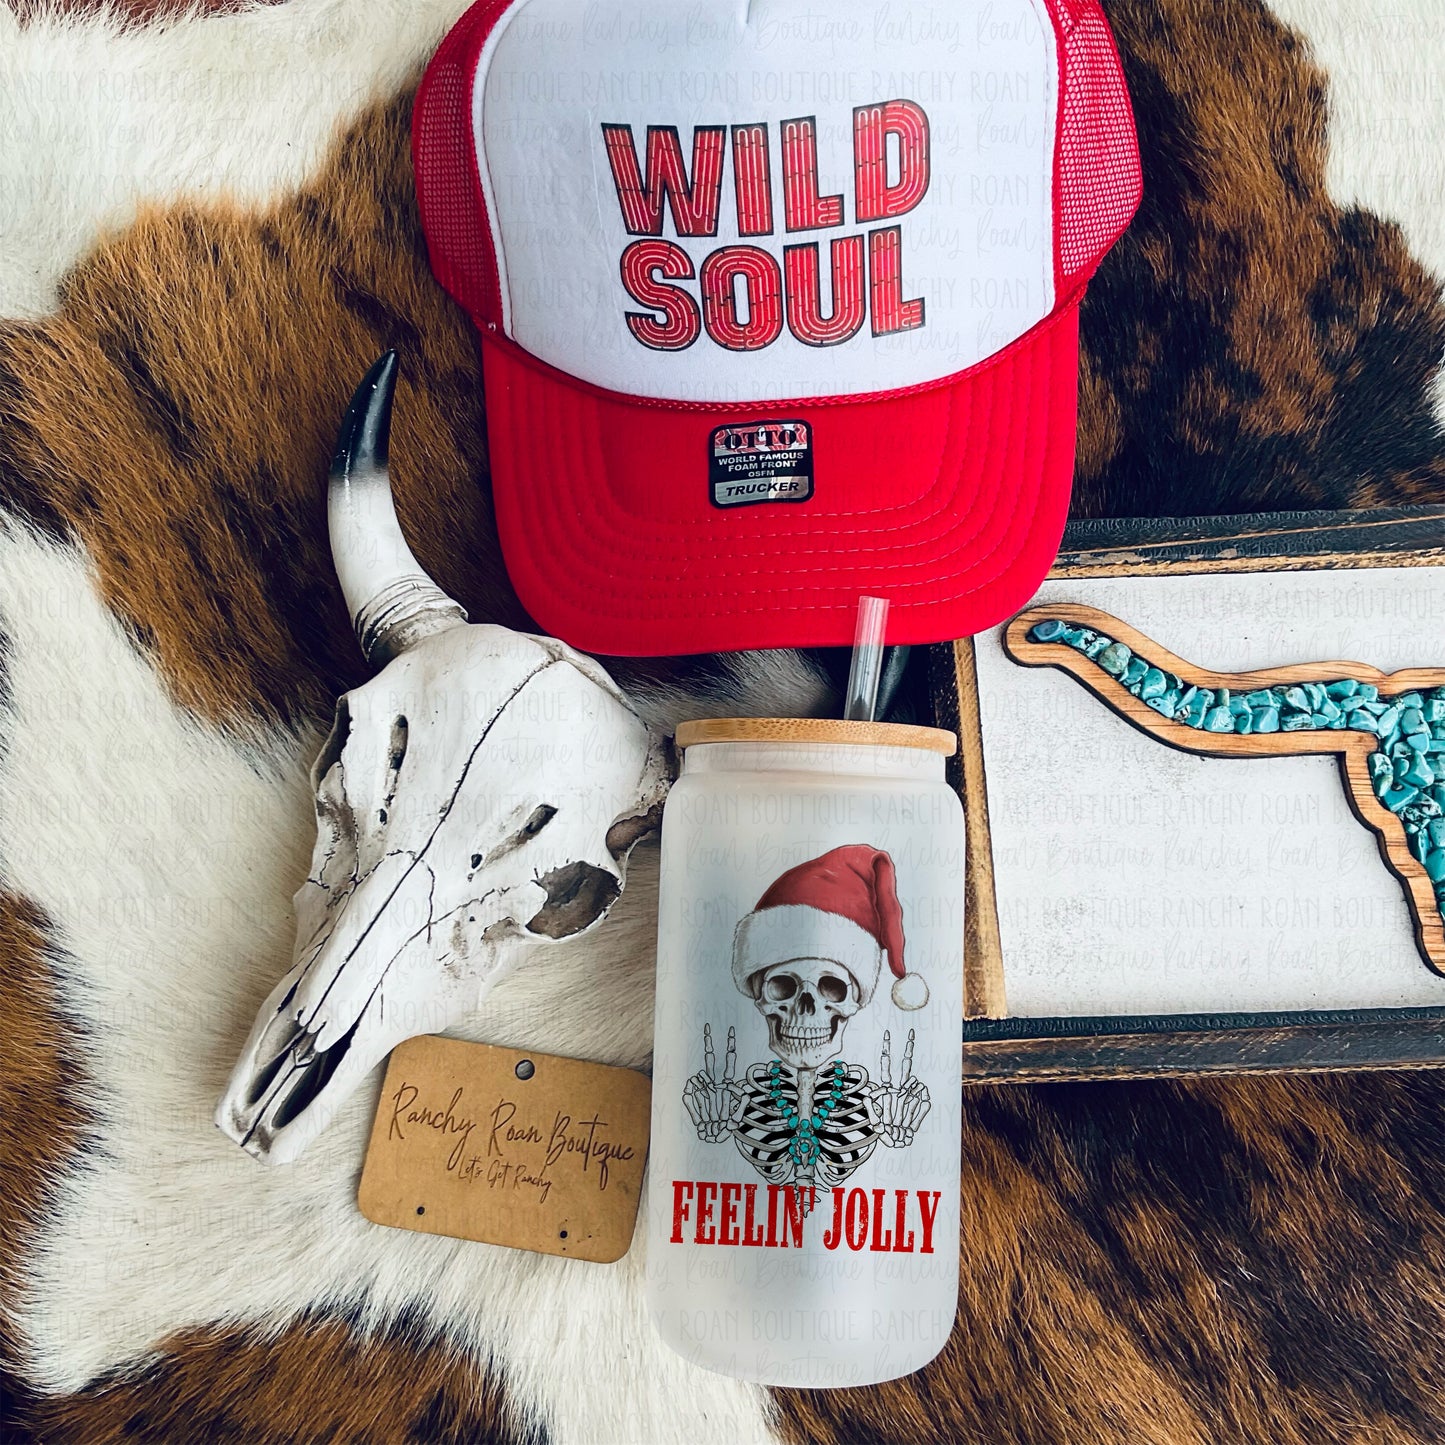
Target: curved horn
[{"x": 392, "y": 601}]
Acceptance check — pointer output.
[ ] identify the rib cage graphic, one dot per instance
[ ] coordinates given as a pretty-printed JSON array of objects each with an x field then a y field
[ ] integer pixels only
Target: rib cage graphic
[
  {"x": 1354, "y": 747},
  {"x": 845, "y": 1141}
]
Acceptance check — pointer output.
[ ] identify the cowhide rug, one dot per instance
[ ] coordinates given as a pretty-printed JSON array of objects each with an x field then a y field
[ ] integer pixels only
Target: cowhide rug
[{"x": 206, "y": 232}]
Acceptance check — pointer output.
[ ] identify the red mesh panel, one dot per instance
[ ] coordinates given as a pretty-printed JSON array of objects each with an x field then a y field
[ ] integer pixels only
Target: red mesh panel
[
  {"x": 1065, "y": 13},
  {"x": 1097, "y": 182},
  {"x": 448, "y": 188}
]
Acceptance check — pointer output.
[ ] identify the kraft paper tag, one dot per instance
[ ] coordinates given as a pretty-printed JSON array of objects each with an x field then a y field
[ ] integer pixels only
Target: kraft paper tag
[{"x": 508, "y": 1146}]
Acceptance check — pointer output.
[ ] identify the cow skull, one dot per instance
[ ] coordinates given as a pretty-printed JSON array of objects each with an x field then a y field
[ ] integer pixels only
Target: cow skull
[{"x": 478, "y": 795}]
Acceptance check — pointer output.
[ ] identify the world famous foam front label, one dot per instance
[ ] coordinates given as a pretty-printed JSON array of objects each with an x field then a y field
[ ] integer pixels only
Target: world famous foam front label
[{"x": 761, "y": 461}]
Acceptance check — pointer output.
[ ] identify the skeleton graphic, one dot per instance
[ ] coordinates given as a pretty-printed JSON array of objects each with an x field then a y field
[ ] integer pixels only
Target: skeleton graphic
[{"x": 809, "y": 957}]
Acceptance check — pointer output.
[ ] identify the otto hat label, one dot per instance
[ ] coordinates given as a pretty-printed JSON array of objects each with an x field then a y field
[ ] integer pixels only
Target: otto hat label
[{"x": 760, "y": 461}]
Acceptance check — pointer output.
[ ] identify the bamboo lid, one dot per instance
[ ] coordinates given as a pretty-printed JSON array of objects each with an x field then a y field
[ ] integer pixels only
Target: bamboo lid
[{"x": 815, "y": 730}]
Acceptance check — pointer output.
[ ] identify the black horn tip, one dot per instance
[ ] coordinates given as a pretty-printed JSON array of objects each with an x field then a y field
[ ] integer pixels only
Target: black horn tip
[{"x": 366, "y": 429}]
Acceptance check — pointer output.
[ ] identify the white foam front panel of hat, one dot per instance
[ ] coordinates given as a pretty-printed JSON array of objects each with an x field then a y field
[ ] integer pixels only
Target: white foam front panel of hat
[{"x": 556, "y": 78}]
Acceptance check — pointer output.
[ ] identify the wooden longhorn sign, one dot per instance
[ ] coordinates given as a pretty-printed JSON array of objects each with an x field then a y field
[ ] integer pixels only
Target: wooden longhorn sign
[{"x": 1387, "y": 729}]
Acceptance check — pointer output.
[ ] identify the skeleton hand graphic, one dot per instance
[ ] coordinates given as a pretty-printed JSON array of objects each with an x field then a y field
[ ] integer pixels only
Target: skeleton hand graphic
[
  {"x": 715, "y": 1104},
  {"x": 896, "y": 1112}
]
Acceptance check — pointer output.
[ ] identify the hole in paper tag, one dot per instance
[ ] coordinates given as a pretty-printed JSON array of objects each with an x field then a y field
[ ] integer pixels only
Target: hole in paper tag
[{"x": 509, "y": 1147}]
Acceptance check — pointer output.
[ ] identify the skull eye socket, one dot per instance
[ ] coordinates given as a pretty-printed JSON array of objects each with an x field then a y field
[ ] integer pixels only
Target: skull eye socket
[
  {"x": 395, "y": 757},
  {"x": 779, "y": 988},
  {"x": 831, "y": 988},
  {"x": 335, "y": 743}
]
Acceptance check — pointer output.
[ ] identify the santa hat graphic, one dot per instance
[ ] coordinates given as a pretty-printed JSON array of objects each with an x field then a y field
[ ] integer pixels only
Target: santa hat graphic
[{"x": 842, "y": 906}]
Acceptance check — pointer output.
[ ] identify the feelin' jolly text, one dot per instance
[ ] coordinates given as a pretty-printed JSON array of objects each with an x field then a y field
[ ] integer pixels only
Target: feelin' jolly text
[
  {"x": 885, "y": 1221},
  {"x": 746, "y": 293}
]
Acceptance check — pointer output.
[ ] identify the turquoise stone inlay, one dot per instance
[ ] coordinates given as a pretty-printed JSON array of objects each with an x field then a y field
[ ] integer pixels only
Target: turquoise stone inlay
[{"x": 1407, "y": 768}]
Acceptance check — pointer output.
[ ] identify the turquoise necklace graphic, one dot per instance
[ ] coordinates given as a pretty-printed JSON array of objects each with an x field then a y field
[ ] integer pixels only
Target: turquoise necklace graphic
[
  {"x": 1388, "y": 730},
  {"x": 803, "y": 1141}
]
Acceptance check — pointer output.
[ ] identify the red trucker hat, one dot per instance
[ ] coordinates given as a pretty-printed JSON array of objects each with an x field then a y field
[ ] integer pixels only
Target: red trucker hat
[{"x": 778, "y": 304}]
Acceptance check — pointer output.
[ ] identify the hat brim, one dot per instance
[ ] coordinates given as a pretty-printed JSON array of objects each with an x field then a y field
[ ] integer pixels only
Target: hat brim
[{"x": 949, "y": 501}]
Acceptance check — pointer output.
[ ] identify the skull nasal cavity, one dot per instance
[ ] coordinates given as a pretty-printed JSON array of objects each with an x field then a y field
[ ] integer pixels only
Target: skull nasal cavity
[{"x": 577, "y": 896}]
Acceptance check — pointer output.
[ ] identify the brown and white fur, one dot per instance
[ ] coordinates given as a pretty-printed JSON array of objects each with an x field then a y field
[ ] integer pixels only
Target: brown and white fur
[{"x": 208, "y": 233}]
